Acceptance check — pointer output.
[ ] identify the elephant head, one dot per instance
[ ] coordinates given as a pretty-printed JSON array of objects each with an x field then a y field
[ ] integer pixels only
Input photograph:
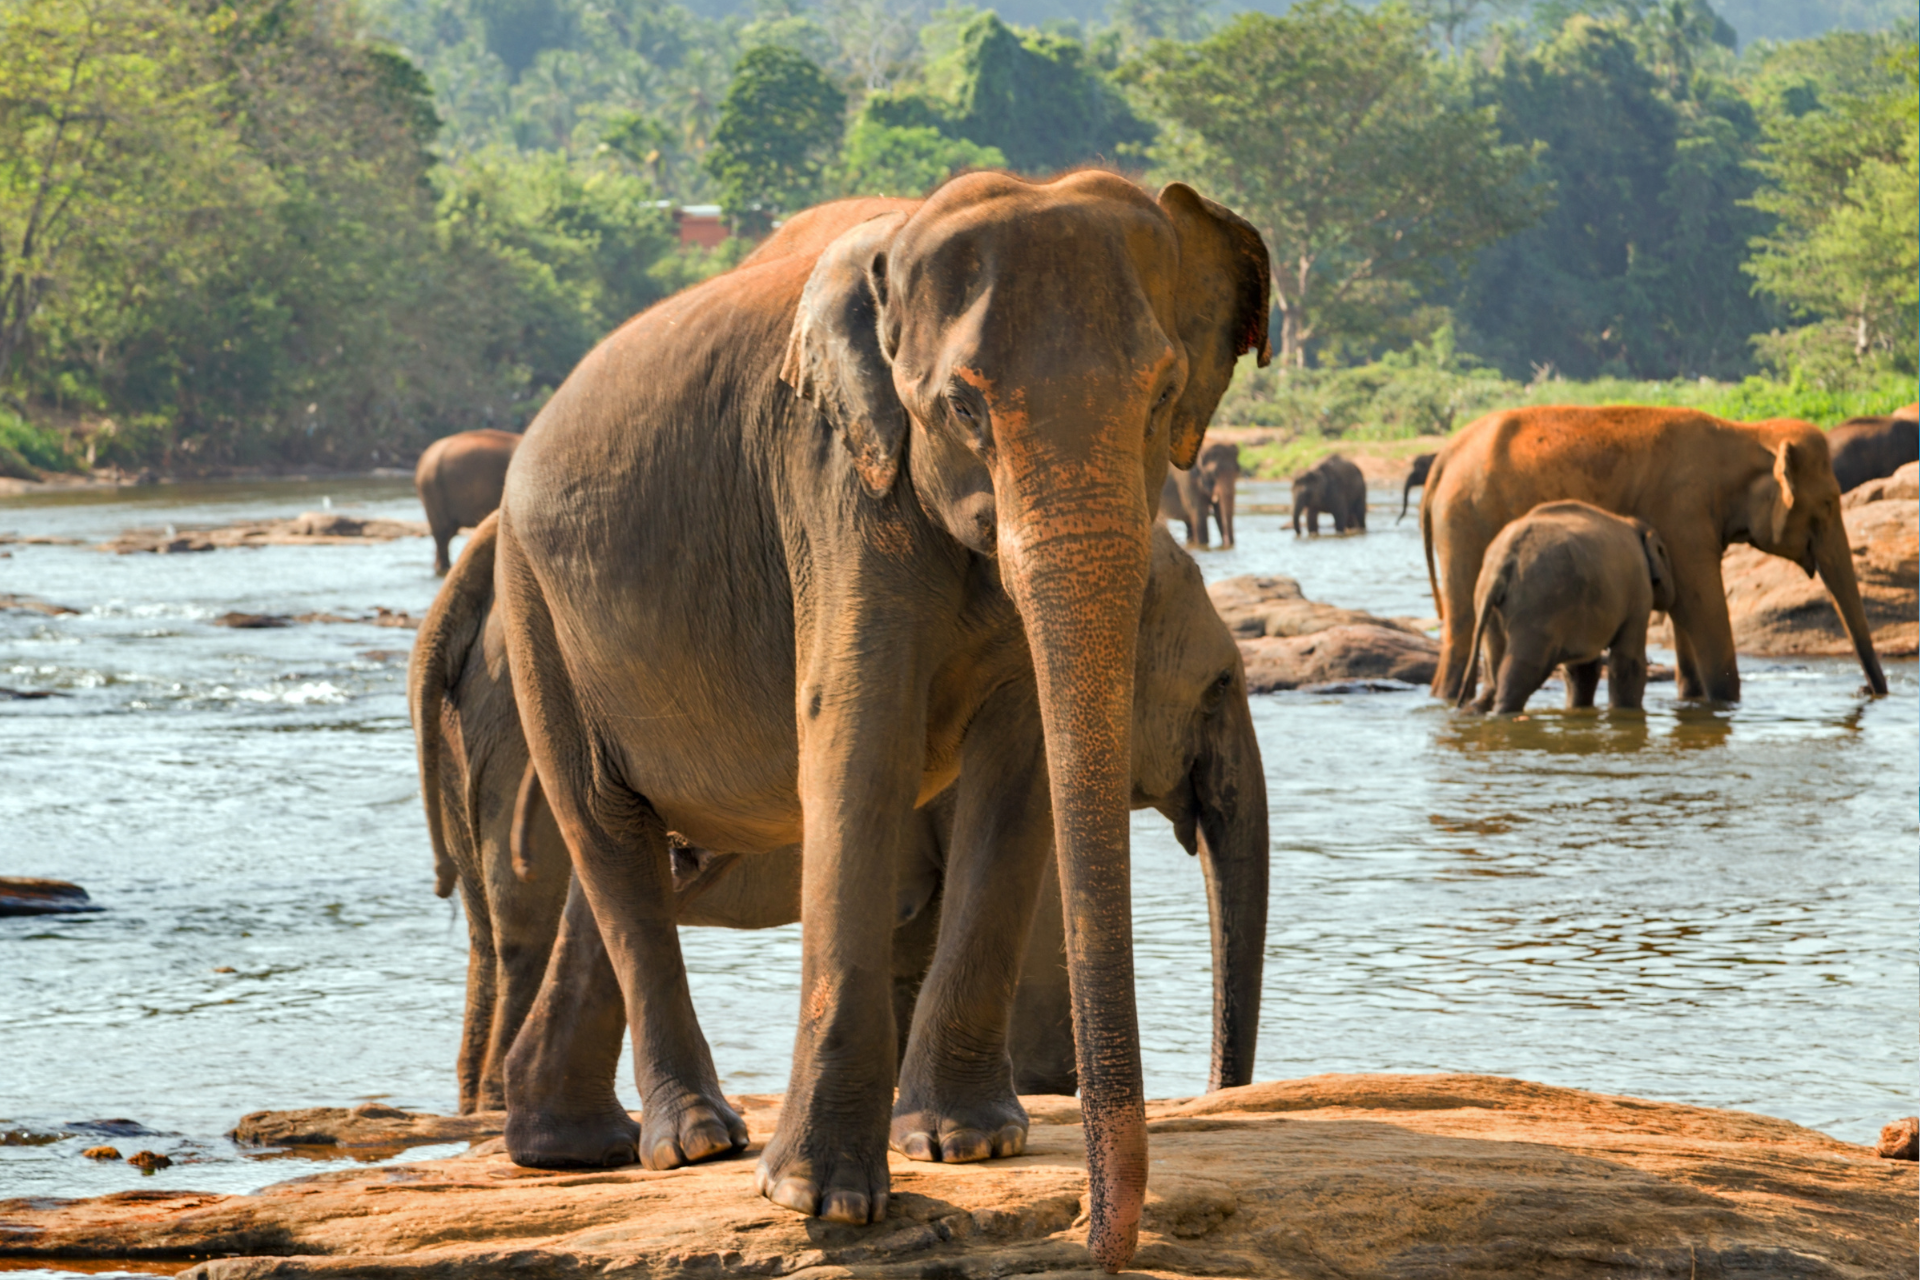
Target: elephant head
[
  {"x": 1025, "y": 359},
  {"x": 1307, "y": 489},
  {"x": 1196, "y": 760},
  {"x": 1793, "y": 511}
]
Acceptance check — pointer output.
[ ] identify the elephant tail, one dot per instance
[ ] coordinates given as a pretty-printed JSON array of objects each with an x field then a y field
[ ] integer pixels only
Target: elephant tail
[
  {"x": 1496, "y": 595},
  {"x": 1406, "y": 496},
  {"x": 525, "y": 805},
  {"x": 450, "y": 630},
  {"x": 1426, "y": 539}
]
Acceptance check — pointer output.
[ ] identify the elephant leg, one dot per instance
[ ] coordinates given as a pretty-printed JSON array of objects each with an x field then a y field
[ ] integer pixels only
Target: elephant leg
[
  {"x": 1627, "y": 667},
  {"x": 477, "y": 1028},
  {"x": 862, "y": 733},
  {"x": 1583, "y": 679},
  {"x": 1041, "y": 1036},
  {"x": 526, "y": 924},
  {"x": 913, "y": 944},
  {"x": 561, "y": 1108},
  {"x": 1456, "y": 556},
  {"x": 957, "y": 1101},
  {"x": 619, "y": 849},
  {"x": 1702, "y": 631},
  {"x": 1523, "y": 669},
  {"x": 442, "y": 544},
  {"x": 1223, "y": 507}
]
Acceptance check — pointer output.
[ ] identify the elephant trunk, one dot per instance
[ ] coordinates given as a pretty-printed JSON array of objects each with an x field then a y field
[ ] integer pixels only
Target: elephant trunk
[
  {"x": 1230, "y": 793},
  {"x": 1074, "y": 558},
  {"x": 1835, "y": 562}
]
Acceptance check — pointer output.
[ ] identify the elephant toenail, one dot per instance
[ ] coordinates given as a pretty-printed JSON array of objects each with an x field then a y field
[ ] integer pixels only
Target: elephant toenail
[
  {"x": 918, "y": 1146},
  {"x": 664, "y": 1156},
  {"x": 845, "y": 1206},
  {"x": 796, "y": 1194},
  {"x": 1010, "y": 1141}
]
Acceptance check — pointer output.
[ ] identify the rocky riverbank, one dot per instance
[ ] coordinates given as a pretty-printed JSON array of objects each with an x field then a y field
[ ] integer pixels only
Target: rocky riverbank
[
  {"x": 1291, "y": 642},
  {"x": 1368, "y": 1175}
]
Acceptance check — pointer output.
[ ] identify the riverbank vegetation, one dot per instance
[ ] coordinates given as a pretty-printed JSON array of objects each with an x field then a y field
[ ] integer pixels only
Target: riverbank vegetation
[{"x": 305, "y": 232}]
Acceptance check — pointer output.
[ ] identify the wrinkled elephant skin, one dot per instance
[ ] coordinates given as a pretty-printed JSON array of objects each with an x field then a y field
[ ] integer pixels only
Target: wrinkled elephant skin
[{"x": 955, "y": 405}]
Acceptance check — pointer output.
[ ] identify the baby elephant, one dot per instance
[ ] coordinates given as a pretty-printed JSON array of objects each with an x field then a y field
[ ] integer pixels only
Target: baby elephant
[{"x": 1560, "y": 585}]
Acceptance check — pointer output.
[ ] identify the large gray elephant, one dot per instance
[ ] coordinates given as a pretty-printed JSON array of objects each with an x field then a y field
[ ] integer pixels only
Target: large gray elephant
[
  {"x": 1334, "y": 486},
  {"x": 459, "y": 479},
  {"x": 1869, "y": 448},
  {"x": 1562, "y": 584},
  {"x": 762, "y": 559},
  {"x": 1196, "y": 759},
  {"x": 1203, "y": 493}
]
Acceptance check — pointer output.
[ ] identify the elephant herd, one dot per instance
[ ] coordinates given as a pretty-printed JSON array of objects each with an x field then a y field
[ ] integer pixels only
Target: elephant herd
[{"x": 906, "y": 691}]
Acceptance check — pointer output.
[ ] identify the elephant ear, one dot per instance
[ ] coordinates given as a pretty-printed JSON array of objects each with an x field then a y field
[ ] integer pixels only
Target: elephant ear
[
  {"x": 834, "y": 354},
  {"x": 1222, "y": 300},
  {"x": 1659, "y": 565}
]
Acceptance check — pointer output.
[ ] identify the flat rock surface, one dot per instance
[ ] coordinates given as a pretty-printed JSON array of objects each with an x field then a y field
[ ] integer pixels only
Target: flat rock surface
[
  {"x": 371, "y": 1124},
  {"x": 1331, "y": 1176},
  {"x": 1778, "y": 610},
  {"x": 310, "y": 528},
  {"x": 27, "y": 896},
  {"x": 1291, "y": 642}
]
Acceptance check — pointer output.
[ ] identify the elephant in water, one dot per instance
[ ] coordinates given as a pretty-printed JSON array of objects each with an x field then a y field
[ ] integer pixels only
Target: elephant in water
[
  {"x": 769, "y": 563},
  {"x": 1869, "y": 448},
  {"x": 1205, "y": 492},
  {"x": 1196, "y": 759},
  {"x": 1562, "y": 584},
  {"x": 1415, "y": 479},
  {"x": 1701, "y": 482},
  {"x": 459, "y": 479},
  {"x": 1334, "y": 486}
]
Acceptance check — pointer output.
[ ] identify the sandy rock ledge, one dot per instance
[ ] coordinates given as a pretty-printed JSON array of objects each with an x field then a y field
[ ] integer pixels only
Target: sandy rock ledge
[{"x": 1331, "y": 1176}]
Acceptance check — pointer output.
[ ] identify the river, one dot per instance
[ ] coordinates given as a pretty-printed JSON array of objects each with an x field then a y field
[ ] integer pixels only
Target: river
[{"x": 1715, "y": 907}]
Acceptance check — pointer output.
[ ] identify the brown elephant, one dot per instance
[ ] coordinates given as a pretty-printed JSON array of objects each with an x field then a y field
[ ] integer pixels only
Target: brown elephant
[
  {"x": 1205, "y": 492},
  {"x": 1563, "y": 584},
  {"x": 936, "y": 441},
  {"x": 1416, "y": 478},
  {"x": 459, "y": 479},
  {"x": 1703, "y": 483},
  {"x": 1195, "y": 758},
  {"x": 1870, "y": 448},
  {"x": 1335, "y": 486}
]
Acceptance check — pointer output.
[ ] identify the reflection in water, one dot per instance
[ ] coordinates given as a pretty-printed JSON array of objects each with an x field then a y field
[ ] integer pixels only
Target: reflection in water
[{"x": 1713, "y": 906}]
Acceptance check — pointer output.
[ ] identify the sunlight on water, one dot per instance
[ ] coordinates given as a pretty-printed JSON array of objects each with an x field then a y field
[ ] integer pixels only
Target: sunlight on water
[{"x": 1709, "y": 907}]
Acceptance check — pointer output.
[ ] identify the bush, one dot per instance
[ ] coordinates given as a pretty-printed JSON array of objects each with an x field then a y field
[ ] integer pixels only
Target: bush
[{"x": 26, "y": 449}]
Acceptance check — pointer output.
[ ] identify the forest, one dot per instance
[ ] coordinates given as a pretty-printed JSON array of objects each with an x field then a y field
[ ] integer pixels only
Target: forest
[{"x": 315, "y": 233}]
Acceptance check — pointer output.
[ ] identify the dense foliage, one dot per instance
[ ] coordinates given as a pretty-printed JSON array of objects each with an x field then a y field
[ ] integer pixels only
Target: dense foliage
[{"x": 325, "y": 231}]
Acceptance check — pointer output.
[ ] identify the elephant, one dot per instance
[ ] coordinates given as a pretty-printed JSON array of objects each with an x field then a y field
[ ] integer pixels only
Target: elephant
[
  {"x": 1416, "y": 478},
  {"x": 937, "y": 443},
  {"x": 1205, "y": 492},
  {"x": 1869, "y": 448},
  {"x": 1559, "y": 585},
  {"x": 459, "y": 479},
  {"x": 1196, "y": 759},
  {"x": 1702, "y": 482},
  {"x": 1333, "y": 485}
]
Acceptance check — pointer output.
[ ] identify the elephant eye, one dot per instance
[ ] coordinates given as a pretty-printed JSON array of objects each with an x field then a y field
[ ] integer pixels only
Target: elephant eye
[{"x": 1166, "y": 394}]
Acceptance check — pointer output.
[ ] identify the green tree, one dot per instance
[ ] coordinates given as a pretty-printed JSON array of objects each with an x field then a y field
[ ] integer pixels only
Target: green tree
[
  {"x": 1635, "y": 271},
  {"x": 1036, "y": 98},
  {"x": 889, "y": 160},
  {"x": 1841, "y": 150},
  {"x": 780, "y": 126},
  {"x": 1326, "y": 130}
]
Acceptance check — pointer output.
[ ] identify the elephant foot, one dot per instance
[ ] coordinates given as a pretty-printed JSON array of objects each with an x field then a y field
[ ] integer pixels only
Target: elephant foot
[
  {"x": 601, "y": 1140},
  {"x": 958, "y": 1131},
  {"x": 688, "y": 1127},
  {"x": 818, "y": 1165}
]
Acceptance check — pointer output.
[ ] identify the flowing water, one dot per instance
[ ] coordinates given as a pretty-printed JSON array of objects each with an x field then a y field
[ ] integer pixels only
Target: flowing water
[{"x": 1714, "y": 907}]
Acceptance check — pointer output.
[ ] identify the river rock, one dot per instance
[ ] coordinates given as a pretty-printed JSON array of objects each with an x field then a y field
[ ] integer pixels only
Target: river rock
[
  {"x": 371, "y": 1124},
  {"x": 1349, "y": 657},
  {"x": 1255, "y": 605},
  {"x": 310, "y": 528},
  {"x": 25, "y": 896},
  {"x": 1900, "y": 1140},
  {"x": 1368, "y": 1175},
  {"x": 1778, "y": 610}
]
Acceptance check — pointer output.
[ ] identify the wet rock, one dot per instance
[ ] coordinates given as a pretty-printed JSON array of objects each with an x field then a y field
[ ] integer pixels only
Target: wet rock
[
  {"x": 101, "y": 1153},
  {"x": 1343, "y": 655},
  {"x": 34, "y": 605},
  {"x": 252, "y": 621},
  {"x": 148, "y": 1160},
  {"x": 24, "y": 1137},
  {"x": 29, "y": 695},
  {"x": 25, "y": 896},
  {"x": 1778, "y": 610},
  {"x": 1255, "y": 605},
  {"x": 1900, "y": 1140},
  {"x": 371, "y": 1124},
  {"x": 311, "y": 528},
  {"x": 1377, "y": 1176}
]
